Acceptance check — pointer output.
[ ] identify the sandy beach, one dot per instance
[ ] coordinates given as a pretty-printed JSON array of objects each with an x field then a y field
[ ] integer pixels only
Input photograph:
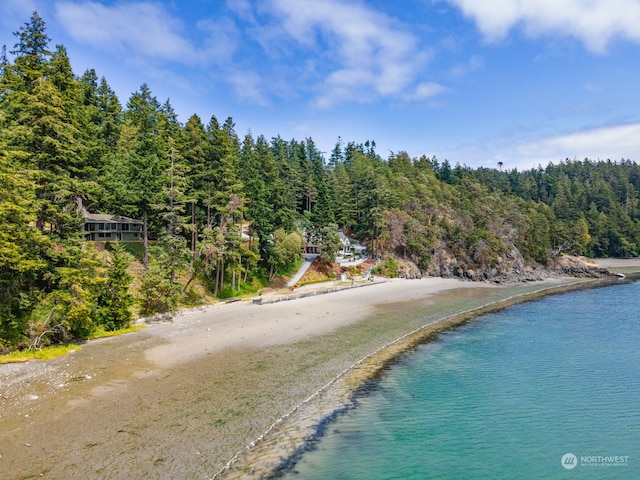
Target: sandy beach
[{"x": 183, "y": 399}]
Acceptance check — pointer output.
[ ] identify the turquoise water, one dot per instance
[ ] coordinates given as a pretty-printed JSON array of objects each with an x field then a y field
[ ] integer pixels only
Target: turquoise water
[{"x": 506, "y": 396}]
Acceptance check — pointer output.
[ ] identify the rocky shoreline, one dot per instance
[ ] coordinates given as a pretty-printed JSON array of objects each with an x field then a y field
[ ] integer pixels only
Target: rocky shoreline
[{"x": 508, "y": 271}]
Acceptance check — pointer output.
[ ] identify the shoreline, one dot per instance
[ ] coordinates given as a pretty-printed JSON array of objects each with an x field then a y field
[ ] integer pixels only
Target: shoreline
[
  {"x": 182, "y": 398},
  {"x": 278, "y": 449}
]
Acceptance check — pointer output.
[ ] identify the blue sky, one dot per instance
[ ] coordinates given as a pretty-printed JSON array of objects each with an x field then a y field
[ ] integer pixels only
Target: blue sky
[{"x": 523, "y": 82}]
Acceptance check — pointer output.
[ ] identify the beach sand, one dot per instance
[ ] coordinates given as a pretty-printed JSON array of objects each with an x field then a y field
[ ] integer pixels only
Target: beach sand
[
  {"x": 621, "y": 265},
  {"x": 181, "y": 399}
]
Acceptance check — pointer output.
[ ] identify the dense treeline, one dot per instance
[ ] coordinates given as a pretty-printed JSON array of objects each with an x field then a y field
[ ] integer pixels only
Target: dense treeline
[
  {"x": 229, "y": 212},
  {"x": 595, "y": 203}
]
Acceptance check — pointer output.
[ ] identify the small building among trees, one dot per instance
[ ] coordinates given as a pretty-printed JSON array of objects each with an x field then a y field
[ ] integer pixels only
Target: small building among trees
[{"x": 104, "y": 228}]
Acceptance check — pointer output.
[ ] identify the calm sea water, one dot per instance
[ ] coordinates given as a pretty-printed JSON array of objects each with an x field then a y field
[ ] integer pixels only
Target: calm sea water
[{"x": 507, "y": 396}]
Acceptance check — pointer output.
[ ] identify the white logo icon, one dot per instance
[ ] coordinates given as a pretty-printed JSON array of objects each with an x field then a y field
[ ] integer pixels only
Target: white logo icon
[{"x": 569, "y": 461}]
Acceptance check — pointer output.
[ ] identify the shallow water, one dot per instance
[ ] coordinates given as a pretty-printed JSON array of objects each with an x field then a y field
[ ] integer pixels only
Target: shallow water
[{"x": 506, "y": 396}]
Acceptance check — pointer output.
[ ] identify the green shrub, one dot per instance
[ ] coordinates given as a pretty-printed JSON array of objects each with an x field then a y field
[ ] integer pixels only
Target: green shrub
[{"x": 387, "y": 269}]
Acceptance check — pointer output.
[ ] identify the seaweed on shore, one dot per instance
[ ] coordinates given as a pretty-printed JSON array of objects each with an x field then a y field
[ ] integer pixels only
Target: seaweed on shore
[{"x": 405, "y": 346}]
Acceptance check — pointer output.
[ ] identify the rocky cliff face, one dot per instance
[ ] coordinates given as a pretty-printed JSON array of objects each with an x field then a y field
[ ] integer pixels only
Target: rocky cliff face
[
  {"x": 577, "y": 267},
  {"x": 508, "y": 267},
  {"x": 407, "y": 269},
  {"x": 511, "y": 267},
  {"x": 492, "y": 253}
]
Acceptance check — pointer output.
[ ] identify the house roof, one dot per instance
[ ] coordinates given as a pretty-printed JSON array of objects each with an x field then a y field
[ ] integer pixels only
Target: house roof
[
  {"x": 106, "y": 218},
  {"x": 343, "y": 238}
]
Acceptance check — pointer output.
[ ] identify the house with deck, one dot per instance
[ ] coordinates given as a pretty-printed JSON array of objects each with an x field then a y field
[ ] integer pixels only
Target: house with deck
[{"x": 104, "y": 228}]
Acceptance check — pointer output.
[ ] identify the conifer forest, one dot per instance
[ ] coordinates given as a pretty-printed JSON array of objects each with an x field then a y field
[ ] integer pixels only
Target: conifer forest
[{"x": 223, "y": 214}]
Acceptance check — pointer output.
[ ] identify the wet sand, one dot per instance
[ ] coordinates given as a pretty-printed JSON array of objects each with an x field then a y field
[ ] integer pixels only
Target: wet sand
[
  {"x": 622, "y": 265},
  {"x": 181, "y": 399}
]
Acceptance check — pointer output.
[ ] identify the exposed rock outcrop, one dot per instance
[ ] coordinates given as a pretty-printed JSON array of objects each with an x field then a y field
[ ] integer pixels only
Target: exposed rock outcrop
[
  {"x": 408, "y": 270},
  {"x": 577, "y": 267},
  {"x": 512, "y": 268}
]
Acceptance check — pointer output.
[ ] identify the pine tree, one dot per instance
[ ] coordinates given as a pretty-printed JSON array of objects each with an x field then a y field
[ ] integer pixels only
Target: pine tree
[
  {"x": 142, "y": 160},
  {"x": 111, "y": 115},
  {"x": 23, "y": 249},
  {"x": 322, "y": 211},
  {"x": 224, "y": 158},
  {"x": 342, "y": 198},
  {"x": 114, "y": 299},
  {"x": 285, "y": 185},
  {"x": 31, "y": 51},
  {"x": 193, "y": 145},
  {"x": 171, "y": 209},
  {"x": 41, "y": 124}
]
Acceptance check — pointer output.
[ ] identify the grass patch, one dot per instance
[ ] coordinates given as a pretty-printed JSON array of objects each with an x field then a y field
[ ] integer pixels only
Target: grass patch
[
  {"x": 100, "y": 333},
  {"x": 314, "y": 280},
  {"x": 134, "y": 248},
  {"x": 53, "y": 351},
  {"x": 261, "y": 366},
  {"x": 256, "y": 282},
  {"x": 244, "y": 289},
  {"x": 46, "y": 353}
]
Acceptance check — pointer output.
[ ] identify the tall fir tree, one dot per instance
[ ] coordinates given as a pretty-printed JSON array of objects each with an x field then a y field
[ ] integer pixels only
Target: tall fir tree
[
  {"x": 143, "y": 160},
  {"x": 42, "y": 125}
]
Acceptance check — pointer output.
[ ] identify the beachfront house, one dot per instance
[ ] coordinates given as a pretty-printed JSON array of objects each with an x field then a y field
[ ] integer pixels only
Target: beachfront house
[
  {"x": 346, "y": 243},
  {"x": 351, "y": 251},
  {"x": 104, "y": 228}
]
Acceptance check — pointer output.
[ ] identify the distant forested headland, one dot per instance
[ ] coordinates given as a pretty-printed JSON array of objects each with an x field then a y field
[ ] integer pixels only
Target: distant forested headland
[{"x": 222, "y": 214}]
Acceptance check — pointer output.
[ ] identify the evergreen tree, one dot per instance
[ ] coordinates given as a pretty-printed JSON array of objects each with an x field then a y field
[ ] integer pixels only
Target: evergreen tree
[
  {"x": 114, "y": 298},
  {"x": 254, "y": 167},
  {"x": 285, "y": 185},
  {"x": 322, "y": 211},
  {"x": 31, "y": 51},
  {"x": 342, "y": 199},
  {"x": 224, "y": 159},
  {"x": 142, "y": 155},
  {"x": 330, "y": 242},
  {"x": 42, "y": 126},
  {"x": 193, "y": 145},
  {"x": 111, "y": 115},
  {"x": 23, "y": 249}
]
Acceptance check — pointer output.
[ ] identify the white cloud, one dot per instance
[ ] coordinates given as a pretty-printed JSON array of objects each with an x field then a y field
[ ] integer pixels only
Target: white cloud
[
  {"x": 463, "y": 69},
  {"x": 426, "y": 90},
  {"x": 222, "y": 38},
  {"x": 242, "y": 8},
  {"x": 15, "y": 13},
  {"x": 594, "y": 22},
  {"x": 368, "y": 54},
  {"x": 21, "y": 9},
  {"x": 615, "y": 143},
  {"x": 142, "y": 30},
  {"x": 248, "y": 86}
]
